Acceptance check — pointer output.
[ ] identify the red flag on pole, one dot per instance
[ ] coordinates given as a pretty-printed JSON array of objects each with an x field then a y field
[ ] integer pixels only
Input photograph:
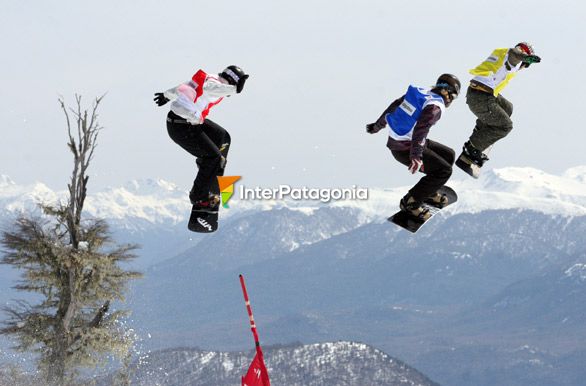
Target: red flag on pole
[{"x": 257, "y": 374}]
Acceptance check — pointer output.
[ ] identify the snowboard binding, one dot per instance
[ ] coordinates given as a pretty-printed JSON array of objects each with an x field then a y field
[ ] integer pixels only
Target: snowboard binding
[
  {"x": 412, "y": 221},
  {"x": 471, "y": 160},
  {"x": 414, "y": 208},
  {"x": 204, "y": 214}
]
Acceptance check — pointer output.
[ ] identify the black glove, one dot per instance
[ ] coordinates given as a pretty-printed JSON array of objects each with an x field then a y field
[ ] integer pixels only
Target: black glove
[
  {"x": 373, "y": 128},
  {"x": 240, "y": 84},
  {"x": 160, "y": 99}
]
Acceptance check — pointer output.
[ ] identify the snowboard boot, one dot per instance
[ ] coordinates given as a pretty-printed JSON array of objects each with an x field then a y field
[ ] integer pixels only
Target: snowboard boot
[
  {"x": 215, "y": 202},
  {"x": 438, "y": 200},
  {"x": 209, "y": 204},
  {"x": 414, "y": 208},
  {"x": 471, "y": 155}
]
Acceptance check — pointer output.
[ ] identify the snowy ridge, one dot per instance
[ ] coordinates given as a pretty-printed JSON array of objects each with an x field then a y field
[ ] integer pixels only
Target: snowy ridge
[
  {"x": 339, "y": 363},
  {"x": 520, "y": 188},
  {"x": 526, "y": 188},
  {"x": 15, "y": 198},
  {"x": 156, "y": 201},
  {"x": 159, "y": 201}
]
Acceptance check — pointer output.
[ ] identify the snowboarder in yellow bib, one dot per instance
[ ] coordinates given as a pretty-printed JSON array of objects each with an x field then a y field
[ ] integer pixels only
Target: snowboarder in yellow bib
[{"x": 492, "y": 110}]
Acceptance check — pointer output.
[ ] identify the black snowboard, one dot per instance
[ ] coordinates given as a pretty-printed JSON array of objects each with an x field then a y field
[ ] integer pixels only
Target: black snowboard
[
  {"x": 412, "y": 223},
  {"x": 203, "y": 221},
  {"x": 470, "y": 168}
]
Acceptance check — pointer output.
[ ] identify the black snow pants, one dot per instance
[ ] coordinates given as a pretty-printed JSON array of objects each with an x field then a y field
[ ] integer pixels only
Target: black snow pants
[
  {"x": 208, "y": 142},
  {"x": 437, "y": 166}
]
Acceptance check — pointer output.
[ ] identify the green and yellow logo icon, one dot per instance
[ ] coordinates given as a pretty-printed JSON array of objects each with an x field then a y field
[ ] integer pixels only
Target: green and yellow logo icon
[{"x": 227, "y": 188}]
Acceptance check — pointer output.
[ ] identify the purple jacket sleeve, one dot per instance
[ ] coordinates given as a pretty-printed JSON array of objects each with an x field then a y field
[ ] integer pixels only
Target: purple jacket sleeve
[
  {"x": 382, "y": 121},
  {"x": 429, "y": 116}
]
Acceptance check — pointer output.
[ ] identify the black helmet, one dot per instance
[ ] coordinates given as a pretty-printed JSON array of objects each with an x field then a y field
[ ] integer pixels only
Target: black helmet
[
  {"x": 232, "y": 74},
  {"x": 450, "y": 83}
]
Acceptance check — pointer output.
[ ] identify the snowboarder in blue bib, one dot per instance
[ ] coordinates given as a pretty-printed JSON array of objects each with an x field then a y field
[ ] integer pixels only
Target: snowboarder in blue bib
[{"x": 410, "y": 118}]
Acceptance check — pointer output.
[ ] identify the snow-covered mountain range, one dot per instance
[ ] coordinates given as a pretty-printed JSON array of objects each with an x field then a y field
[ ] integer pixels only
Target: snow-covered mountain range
[
  {"x": 162, "y": 202},
  {"x": 153, "y": 213},
  {"x": 500, "y": 270}
]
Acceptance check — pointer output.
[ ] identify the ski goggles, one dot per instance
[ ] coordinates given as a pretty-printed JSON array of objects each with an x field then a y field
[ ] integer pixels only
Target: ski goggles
[{"x": 451, "y": 90}]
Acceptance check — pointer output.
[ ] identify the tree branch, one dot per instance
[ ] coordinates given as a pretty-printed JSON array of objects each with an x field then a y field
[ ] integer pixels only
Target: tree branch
[{"x": 100, "y": 315}]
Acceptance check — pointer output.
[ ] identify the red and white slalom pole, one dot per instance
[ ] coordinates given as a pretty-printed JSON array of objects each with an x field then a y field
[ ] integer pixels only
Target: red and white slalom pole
[
  {"x": 257, "y": 374},
  {"x": 249, "y": 309}
]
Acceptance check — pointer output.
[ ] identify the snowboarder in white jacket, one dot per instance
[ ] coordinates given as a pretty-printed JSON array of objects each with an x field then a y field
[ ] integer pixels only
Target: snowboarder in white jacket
[{"x": 189, "y": 127}]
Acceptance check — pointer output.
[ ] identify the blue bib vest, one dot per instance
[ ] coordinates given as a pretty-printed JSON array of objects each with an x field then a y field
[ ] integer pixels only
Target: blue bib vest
[{"x": 402, "y": 121}]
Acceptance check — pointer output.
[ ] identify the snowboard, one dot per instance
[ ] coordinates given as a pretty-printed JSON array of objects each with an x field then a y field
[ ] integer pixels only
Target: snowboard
[
  {"x": 203, "y": 221},
  {"x": 470, "y": 168},
  {"x": 412, "y": 223}
]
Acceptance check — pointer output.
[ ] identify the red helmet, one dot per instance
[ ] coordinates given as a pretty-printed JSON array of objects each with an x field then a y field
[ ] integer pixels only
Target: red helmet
[{"x": 525, "y": 48}]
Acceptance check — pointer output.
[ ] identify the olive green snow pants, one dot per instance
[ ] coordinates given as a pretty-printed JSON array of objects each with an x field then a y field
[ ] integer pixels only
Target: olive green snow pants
[{"x": 493, "y": 118}]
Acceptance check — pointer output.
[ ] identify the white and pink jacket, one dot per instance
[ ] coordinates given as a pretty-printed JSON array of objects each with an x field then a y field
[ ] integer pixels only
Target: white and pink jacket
[{"x": 193, "y": 100}]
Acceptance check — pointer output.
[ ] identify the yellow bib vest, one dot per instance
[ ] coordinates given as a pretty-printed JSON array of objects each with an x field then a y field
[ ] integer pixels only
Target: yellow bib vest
[{"x": 493, "y": 72}]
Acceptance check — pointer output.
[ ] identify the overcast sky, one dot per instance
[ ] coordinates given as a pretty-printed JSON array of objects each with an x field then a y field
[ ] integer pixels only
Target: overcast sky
[{"x": 319, "y": 71}]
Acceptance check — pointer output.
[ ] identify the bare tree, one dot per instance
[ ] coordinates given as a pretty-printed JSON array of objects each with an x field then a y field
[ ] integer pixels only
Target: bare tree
[{"x": 71, "y": 261}]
